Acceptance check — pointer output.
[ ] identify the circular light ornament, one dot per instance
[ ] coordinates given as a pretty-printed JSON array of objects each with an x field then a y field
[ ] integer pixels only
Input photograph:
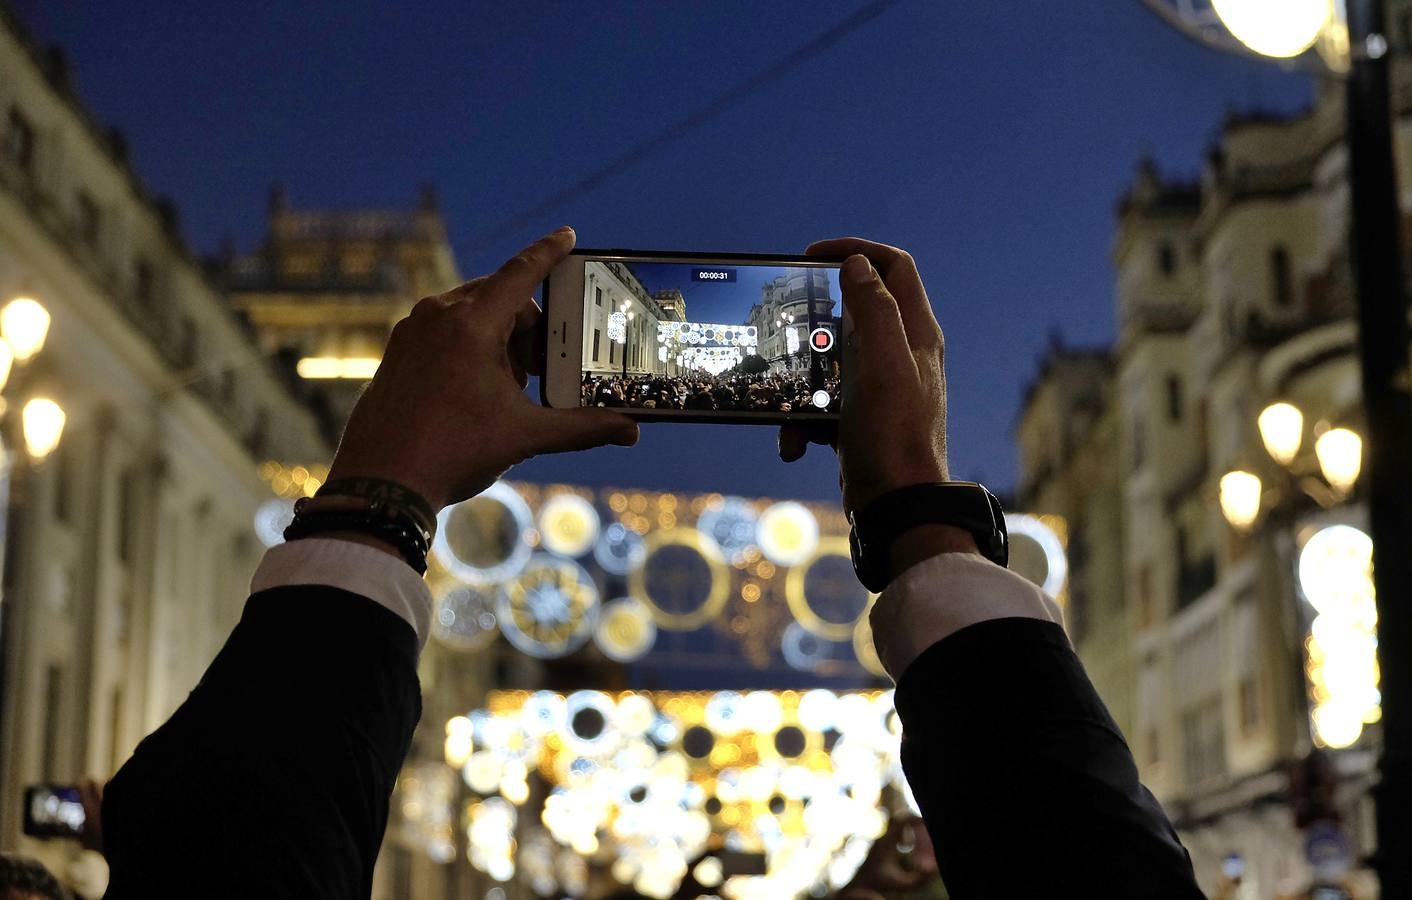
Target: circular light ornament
[
  {"x": 550, "y": 609},
  {"x": 719, "y": 573},
  {"x": 732, "y": 523},
  {"x": 588, "y": 725},
  {"x": 464, "y": 618},
  {"x": 801, "y": 649},
  {"x": 482, "y": 540},
  {"x": 788, "y": 533},
  {"x": 1276, "y": 28},
  {"x": 1049, "y": 566},
  {"x": 568, "y": 525},
  {"x": 817, "y": 708},
  {"x": 1336, "y": 571},
  {"x": 271, "y": 519},
  {"x": 544, "y": 712},
  {"x": 626, "y": 631},
  {"x": 725, "y": 713},
  {"x": 619, "y": 549},
  {"x": 832, "y": 605}
]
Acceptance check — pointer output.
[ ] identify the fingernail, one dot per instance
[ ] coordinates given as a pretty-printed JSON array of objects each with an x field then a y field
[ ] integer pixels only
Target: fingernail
[
  {"x": 857, "y": 268},
  {"x": 563, "y": 229}
]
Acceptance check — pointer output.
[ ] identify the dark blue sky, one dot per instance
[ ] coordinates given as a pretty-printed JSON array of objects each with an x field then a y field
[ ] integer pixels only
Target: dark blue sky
[
  {"x": 717, "y": 302},
  {"x": 989, "y": 138}
]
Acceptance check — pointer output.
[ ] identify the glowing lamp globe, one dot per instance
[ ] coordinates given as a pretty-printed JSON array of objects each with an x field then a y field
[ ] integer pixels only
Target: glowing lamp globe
[
  {"x": 7, "y": 361},
  {"x": 1340, "y": 454},
  {"x": 1276, "y": 28},
  {"x": 24, "y": 323},
  {"x": 43, "y": 421},
  {"x": 1240, "y": 498},
  {"x": 1282, "y": 431}
]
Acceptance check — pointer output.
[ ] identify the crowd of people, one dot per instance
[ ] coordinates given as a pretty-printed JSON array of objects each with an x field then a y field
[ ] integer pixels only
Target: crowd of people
[{"x": 702, "y": 392}]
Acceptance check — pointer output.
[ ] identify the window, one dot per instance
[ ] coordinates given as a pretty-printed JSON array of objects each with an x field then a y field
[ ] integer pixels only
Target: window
[
  {"x": 116, "y": 744},
  {"x": 1249, "y": 706},
  {"x": 598, "y": 296},
  {"x": 53, "y": 718},
  {"x": 127, "y": 514},
  {"x": 596, "y": 335},
  {"x": 1166, "y": 259},
  {"x": 612, "y": 349},
  {"x": 1281, "y": 279},
  {"x": 1139, "y": 442},
  {"x": 65, "y": 472},
  {"x": 144, "y": 282},
  {"x": 90, "y": 219},
  {"x": 19, "y": 140},
  {"x": 1174, "y": 398}
]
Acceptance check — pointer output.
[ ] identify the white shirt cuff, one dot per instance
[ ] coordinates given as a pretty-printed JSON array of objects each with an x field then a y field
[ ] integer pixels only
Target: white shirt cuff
[
  {"x": 348, "y": 566},
  {"x": 941, "y": 595}
]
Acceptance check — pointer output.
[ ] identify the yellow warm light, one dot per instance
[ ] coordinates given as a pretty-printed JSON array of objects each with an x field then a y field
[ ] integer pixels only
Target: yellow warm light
[
  {"x": 361, "y": 368},
  {"x": 43, "y": 426},
  {"x": 1340, "y": 453},
  {"x": 1277, "y": 28},
  {"x": 24, "y": 323},
  {"x": 7, "y": 361},
  {"x": 1282, "y": 430},
  {"x": 1240, "y": 498}
]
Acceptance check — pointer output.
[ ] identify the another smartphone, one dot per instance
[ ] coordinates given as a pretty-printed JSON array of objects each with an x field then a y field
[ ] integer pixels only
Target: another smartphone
[
  {"x": 697, "y": 337},
  {"x": 53, "y": 811}
]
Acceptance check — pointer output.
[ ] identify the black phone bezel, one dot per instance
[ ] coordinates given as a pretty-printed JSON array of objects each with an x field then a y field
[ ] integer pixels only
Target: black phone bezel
[{"x": 641, "y": 415}]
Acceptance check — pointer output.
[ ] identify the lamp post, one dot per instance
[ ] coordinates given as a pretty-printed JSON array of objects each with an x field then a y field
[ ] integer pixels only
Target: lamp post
[
  {"x": 24, "y": 327},
  {"x": 1358, "y": 48}
]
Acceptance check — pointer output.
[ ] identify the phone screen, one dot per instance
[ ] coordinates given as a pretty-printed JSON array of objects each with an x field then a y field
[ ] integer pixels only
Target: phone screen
[
  {"x": 700, "y": 337},
  {"x": 53, "y": 810}
]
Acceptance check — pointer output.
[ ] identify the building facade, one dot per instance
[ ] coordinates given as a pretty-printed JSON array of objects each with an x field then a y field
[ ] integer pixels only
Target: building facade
[
  {"x": 1233, "y": 292},
  {"x": 325, "y": 288},
  {"x": 128, "y": 549},
  {"x": 610, "y": 290},
  {"x": 790, "y": 307}
]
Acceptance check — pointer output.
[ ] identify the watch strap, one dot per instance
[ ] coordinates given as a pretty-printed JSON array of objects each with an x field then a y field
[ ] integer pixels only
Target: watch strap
[{"x": 961, "y": 504}]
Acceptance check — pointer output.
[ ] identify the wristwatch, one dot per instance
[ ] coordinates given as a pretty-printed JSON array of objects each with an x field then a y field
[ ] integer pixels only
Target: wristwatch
[{"x": 962, "y": 504}]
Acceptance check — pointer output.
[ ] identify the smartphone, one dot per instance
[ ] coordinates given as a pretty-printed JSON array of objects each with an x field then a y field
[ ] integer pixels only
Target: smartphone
[
  {"x": 53, "y": 811},
  {"x": 695, "y": 337}
]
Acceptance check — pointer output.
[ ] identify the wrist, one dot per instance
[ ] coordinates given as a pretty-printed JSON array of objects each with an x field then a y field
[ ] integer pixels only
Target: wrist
[{"x": 925, "y": 541}]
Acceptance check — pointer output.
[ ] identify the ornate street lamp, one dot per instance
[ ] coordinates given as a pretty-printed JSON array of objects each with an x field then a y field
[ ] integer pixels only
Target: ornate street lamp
[
  {"x": 24, "y": 324},
  {"x": 1351, "y": 41}
]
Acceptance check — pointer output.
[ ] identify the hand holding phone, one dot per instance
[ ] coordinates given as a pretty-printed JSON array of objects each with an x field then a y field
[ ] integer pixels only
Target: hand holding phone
[{"x": 54, "y": 811}]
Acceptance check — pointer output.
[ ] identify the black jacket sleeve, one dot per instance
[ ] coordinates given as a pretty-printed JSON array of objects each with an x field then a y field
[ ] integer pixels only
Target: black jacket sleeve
[
  {"x": 1025, "y": 783},
  {"x": 273, "y": 779}
]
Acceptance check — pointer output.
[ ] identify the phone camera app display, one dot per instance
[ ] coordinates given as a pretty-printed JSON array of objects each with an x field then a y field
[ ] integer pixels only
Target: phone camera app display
[{"x": 739, "y": 338}]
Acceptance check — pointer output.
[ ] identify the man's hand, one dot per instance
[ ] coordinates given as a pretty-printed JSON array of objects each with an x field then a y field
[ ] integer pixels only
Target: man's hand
[
  {"x": 446, "y": 413},
  {"x": 892, "y": 432}
]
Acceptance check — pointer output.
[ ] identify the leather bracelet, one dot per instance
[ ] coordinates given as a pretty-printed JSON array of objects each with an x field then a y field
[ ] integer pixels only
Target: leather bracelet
[
  {"x": 384, "y": 495},
  {"x": 399, "y": 531}
]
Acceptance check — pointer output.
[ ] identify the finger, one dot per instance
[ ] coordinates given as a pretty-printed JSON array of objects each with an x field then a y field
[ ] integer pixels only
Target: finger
[
  {"x": 877, "y": 326},
  {"x": 526, "y": 350},
  {"x": 792, "y": 443},
  {"x": 563, "y": 430},
  {"x": 899, "y": 273},
  {"x": 523, "y": 273}
]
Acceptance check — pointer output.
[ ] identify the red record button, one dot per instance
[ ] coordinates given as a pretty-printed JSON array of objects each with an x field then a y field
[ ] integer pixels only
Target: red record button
[{"x": 821, "y": 339}]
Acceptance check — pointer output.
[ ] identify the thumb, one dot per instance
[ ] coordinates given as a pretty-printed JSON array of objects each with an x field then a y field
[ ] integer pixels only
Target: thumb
[{"x": 562, "y": 430}]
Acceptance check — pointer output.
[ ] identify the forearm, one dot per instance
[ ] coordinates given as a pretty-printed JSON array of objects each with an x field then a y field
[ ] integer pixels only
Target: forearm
[
  {"x": 286, "y": 753},
  {"x": 1024, "y": 781}
]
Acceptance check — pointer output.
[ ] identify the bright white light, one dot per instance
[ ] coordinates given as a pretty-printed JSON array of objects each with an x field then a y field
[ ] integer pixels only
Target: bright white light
[
  {"x": 1336, "y": 570},
  {"x": 1282, "y": 430},
  {"x": 24, "y": 323},
  {"x": 359, "y": 368},
  {"x": 709, "y": 872},
  {"x": 1278, "y": 28},
  {"x": 816, "y": 709},
  {"x": 788, "y": 533},
  {"x": 791, "y": 340},
  {"x": 43, "y": 421},
  {"x": 568, "y": 525},
  {"x": 625, "y": 630},
  {"x": 725, "y": 713},
  {"x": 821, "y": 399},
  {"x": 1056, "y": 563},
  {"x": 618, "y": 327},
  {"x": 1340, "y": 453},
  {"x": 1337, "y": 725},
  {"x": 7, "y": 362},
  {"x": 1240, "y": 498}
]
